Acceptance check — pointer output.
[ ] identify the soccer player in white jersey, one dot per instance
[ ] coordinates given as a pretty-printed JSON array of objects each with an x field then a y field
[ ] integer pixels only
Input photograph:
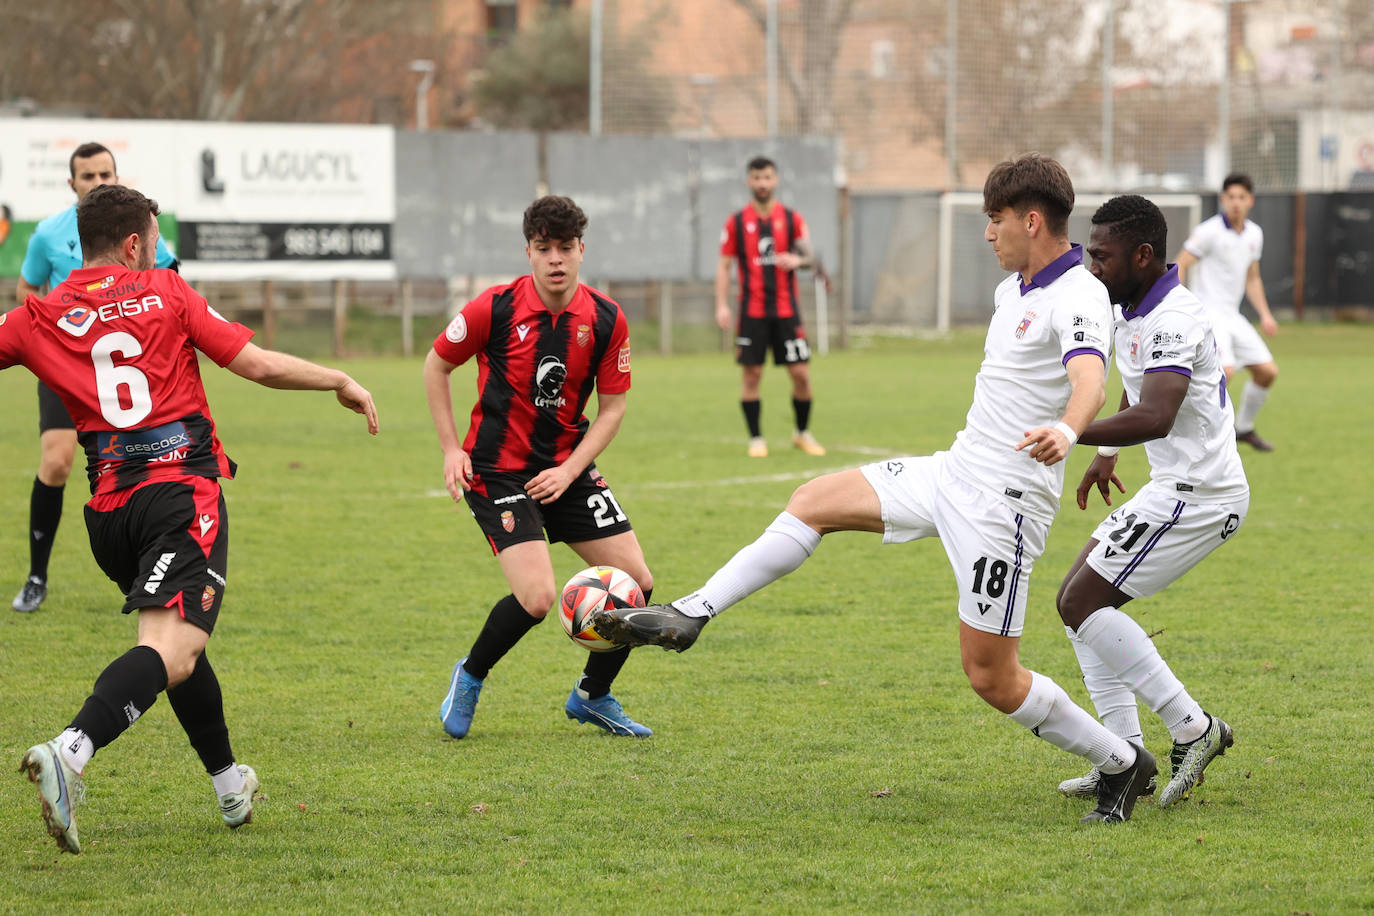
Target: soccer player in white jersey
[
  {"x": 990, "y": 498},
  {"x": 1175, "y": 403},
  {"x": 1226, "y": 249}
]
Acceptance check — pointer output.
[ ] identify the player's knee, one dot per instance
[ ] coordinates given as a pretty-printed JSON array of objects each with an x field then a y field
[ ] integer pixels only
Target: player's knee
[
  {"x": 55, "y": 467},
  {"x": 536, "y": 599},
  {"x": 179, "y": 662}
]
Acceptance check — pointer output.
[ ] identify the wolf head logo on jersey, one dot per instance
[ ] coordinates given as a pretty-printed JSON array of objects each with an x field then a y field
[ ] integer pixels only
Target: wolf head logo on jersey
[
  {"x": 548, "y": 380},
  {"x": 77, "y": 320}
]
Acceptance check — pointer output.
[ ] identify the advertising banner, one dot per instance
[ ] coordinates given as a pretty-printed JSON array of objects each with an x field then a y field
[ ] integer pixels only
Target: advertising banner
[{"x": 242, "y": 201}]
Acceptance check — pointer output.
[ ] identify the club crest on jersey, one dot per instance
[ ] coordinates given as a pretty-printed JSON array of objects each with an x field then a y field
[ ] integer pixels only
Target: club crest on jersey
[
  {"x": 508, "y": 521},
  {"x": 100, "y": 284},
  {"x": 77, "y": 320},
  {"x": 623, "y": 360},
  {"x": 207, "y": 598},
  {"x": 1025, "y": 324},
  {"x": 584, "y": 334}
]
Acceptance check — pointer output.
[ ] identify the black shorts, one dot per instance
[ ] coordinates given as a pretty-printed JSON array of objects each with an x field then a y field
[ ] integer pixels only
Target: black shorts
[
  {"x": 52, "y": 413},
  {"x": 587, "y": 510},
  {"x": 784, "y": 336},
  {"x": 168, "y": 546}
]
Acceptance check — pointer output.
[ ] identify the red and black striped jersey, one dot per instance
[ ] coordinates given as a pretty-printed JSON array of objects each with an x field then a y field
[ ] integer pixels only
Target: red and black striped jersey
[
  {"x": 535, "y": 372},
  {"x": 119, "y": 347},
  {"x": 765, "y": 290}
]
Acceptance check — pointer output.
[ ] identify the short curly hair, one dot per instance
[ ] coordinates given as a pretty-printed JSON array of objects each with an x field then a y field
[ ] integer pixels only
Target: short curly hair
[
  {"x": 1031, "y": 182},
  {"x": 1135, "y": 221},
  {"x": 109, "y": 215},
  {"x": 552, "y": 217}
]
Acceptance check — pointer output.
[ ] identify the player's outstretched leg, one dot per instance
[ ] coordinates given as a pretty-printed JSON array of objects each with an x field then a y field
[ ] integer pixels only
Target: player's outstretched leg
[
  {"x": 604, "y": 712},
  {"x": 1117, "y": 792},
  {"x": 237, "y": 807},
  {"x": 60, "y": 788},
  {"x": 460, "y": 702},
  {"x": 1192, "y": 758},
  {"x": 655, "y": 625}
]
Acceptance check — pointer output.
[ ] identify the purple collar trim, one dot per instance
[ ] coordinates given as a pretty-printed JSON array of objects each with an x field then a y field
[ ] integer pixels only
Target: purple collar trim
[
  {"x": 1055, "y": 269},
  {"x": 1162, "y": 287}
]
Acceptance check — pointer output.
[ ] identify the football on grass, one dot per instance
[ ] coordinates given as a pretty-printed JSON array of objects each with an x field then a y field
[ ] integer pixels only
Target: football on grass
[{"x": 588, "y": 592}]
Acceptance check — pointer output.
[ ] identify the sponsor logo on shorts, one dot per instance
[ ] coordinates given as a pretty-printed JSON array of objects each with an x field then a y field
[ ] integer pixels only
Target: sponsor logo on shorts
[
  {"x": 159, "y": 572},
  {"x": 584, "y": 334},
  {"x": 623, "y": 358},
  {"x": 508, "y": 521},
  {"x": 1014, "y": 494},
  {"x": 457, "y": 329},
  {"x": 207, "y": 598},
  {"x": 1230, "y": 526},
  {"x": 507, "y": 500}
]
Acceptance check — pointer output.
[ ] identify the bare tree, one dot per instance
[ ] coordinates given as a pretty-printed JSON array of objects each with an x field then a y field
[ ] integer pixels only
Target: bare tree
[
  {"x": 213, "y": 59},
  {"x": 809, "y": 73}
]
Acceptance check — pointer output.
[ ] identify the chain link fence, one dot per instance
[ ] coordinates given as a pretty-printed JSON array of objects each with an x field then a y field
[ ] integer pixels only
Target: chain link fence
[{"x": 1145, "y": 94}]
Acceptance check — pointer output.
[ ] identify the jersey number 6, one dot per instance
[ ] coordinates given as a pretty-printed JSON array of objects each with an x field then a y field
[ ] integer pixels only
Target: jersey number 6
[{"x": 109, "y": 379}]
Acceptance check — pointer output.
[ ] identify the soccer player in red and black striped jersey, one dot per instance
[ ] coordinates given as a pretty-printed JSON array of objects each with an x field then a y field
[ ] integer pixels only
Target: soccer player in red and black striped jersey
[
  {"x": 767, "y": 243},
  {"x": 527, "y": 465},
  {"x": 117, "y": 341}
]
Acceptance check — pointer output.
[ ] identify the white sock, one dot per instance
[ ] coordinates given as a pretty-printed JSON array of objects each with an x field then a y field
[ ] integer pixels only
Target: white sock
[
  {"x": 76, "y": 748},
  {"x": 228, "y": 781},
  {"x": 1050, "y": 714},
  {"x": 1252, "y": 398},
  {"x": 1116, "y": 705},
  {"x": 1124, "y": 648},
  {"x": 783, "y": 546}
]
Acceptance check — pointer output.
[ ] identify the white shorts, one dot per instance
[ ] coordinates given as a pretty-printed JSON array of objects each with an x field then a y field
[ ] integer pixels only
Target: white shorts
[
  {"x": 1151, "y": 541},
  {"x": 991, "y": 547},
  {"x": 1238, "y": 343}
]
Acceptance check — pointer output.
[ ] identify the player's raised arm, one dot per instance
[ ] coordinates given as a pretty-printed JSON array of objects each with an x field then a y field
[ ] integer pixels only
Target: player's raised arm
[{"x": 273, "y": 369}]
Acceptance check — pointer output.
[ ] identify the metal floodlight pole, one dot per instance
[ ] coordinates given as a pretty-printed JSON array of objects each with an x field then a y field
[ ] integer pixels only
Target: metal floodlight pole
[
  {"x": 1224, "y": 97},
  {"x": 594, "y": 75},
  {"x": 771, "y": 66},
  {"x": 1108, "y": 112},
  {"x": 425, "y": 67},
  {"x": 951, "y": 94}
]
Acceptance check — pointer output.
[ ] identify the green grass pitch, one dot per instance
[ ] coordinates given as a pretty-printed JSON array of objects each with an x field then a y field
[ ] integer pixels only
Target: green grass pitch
[{"x": 819, "y": 750}]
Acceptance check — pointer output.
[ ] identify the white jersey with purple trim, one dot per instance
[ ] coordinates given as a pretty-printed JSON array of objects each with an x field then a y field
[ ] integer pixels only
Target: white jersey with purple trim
[
  {"x": 1170, "y": 332},
  {"x": 1224, "y": 258},
  {"x": 1036, "y": 328}
]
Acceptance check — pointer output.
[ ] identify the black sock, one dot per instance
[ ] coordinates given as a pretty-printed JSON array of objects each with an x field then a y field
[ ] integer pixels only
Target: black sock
[
  {"x": 45, "y": 512},
  {"x": 199, "y": 706},
  {"x": 602, "y": 667},
  {"x": 802, "y": 411},
  {"x": 506, "y": 623},
  {"x": 125, "y": 690},
  {"x": 751, "y": 417}
]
